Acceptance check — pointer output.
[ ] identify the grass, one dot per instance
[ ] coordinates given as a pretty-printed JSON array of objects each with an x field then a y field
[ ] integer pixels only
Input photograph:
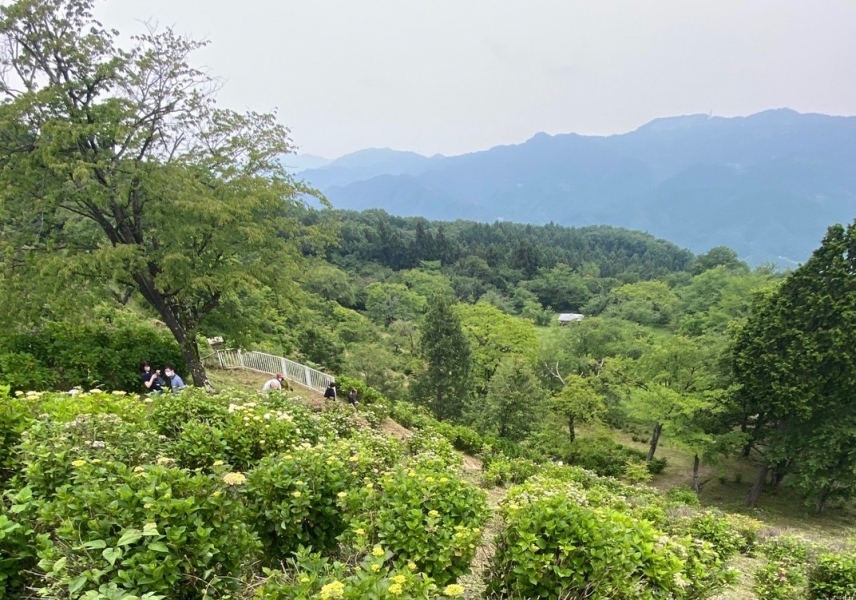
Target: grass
[
  {"x": 726, "y": 485},
  {"x": 251, "y": 381}
]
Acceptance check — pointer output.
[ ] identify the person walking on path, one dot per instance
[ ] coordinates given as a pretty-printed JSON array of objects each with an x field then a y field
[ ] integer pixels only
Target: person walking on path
[{"x": 352, "y": 398}]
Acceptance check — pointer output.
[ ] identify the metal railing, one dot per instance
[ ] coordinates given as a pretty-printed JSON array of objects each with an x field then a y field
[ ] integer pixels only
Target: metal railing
[{"x": 270, "y": 364}]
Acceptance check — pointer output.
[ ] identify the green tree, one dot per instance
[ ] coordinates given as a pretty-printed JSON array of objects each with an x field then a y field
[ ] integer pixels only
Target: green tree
[
  {"x": 493, "y": 335},
  {"x": 560, "y": 288},
  {"x": 583, "y": 347},
  {"x": 665, "y": 384},
  {"x": 720, "y": 256},
  {"x": 444, "y": 384},
  {"x": 795, "y": 363},
  {"x": 646, "y": 302},
  {"x": 578, "y": 402},
  {"x": 387, "y": 302},
  {"x": 119, "y": 159},
  {"x": 513, "y": 402}
]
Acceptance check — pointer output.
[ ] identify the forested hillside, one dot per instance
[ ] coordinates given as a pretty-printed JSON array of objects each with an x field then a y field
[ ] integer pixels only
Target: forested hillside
[{"x": 139, "y": 219}]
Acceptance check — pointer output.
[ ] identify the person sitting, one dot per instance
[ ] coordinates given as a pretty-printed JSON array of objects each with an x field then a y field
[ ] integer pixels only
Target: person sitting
[
  {"x": 151, "y": 379},
  {"x": 330, "y": 392},
  {"x": 175, "y": 381},
  {"x": 277, "y": 383}
]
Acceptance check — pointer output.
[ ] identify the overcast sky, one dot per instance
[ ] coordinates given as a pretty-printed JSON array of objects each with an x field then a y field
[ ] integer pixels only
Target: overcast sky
[{"x": 453, "y": 76}]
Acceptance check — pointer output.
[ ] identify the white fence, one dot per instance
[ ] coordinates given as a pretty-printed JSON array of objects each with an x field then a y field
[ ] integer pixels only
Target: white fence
[{"x": 268, "y": 363}]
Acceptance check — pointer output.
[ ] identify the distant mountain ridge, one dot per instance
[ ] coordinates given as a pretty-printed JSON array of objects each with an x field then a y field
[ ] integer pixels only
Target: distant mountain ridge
[{"x": 766, "y": 185}]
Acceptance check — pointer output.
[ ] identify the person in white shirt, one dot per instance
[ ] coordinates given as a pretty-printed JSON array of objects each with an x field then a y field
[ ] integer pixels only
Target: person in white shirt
[{"x": 273, "y": 384}]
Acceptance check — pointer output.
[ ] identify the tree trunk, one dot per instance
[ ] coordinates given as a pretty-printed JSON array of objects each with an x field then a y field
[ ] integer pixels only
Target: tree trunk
[
  {"x": 755, "y": 494},
  {"x": 821, "y": 500},
  {"x": 779, "y": 473},
  {"x": 190, "y": 349},
  {"x": 185, "y": 336},
  {"x": 655, "y": 439},
  {"x": 571, "y": 432},
  {"x": 696, "y": 463}
]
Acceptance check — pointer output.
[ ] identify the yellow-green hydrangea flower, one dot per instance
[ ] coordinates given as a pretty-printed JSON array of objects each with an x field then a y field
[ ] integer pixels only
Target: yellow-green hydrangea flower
[
  {"x": 333, "y": 589},
  {"x": 454, "y": 590},
  {"x": 234, "y": 478}
]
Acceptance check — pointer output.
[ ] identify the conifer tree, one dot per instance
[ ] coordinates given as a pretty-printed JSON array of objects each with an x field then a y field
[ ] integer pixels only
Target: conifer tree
[
  {"x": 795, "y": 361},
  {"x": 444, "y": 384}
]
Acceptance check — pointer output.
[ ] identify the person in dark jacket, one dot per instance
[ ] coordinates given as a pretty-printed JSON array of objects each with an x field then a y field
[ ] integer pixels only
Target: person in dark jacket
[
  {"x": 352, "y": 398},
  {"x": 330, "y": 392},
  {"x": 151, "y": 379}
]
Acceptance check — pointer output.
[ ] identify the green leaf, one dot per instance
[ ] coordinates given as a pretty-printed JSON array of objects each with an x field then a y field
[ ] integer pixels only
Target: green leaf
[
  {"x": 158, "y": 547},
  {"x": 111, "y": 555},
  {"x": 129, "y": 537},
  {"x": 95, "y": 545},
  {"x": 75, "y": 584}
]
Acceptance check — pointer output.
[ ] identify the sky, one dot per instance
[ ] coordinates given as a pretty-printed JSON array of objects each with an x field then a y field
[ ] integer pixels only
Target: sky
[{"x": 456, "y": 76}]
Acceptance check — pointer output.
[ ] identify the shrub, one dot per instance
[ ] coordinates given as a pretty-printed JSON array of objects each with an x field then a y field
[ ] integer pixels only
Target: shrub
[
  {"x": 311, "y": 576},
  {"x": 781, "y": 579},
  {"x": 428, "y": 446},
  {"x": 22, "y": 371},
  {"x": 17, "y": 543},
  {"x": 67, "y": 406},
  {"x": 411, "y": 416},
  {"x": 293, "y": 497},
  {"x": 198, "y": 446},
  {"x": 170, "y": 412},
  {"x": 560, "y": 539},
  {"x": 748, "y": 529},
  {"x": 253, "y": 430},
  {"x": 600, "y": 552},
  {"x": 502, "y": 471},
  {"x": 833, "y": 576},
  {"x": 715, "y": 528},
  {"x": 14, "y": 419},
  {"x": 49, "y": 448},
  {"x": 463, "y": 438},
  {"x": 430, "y": 518},
  {"x": 374, "y": 406},
  {"x": 657, "y": 465},
  {"x": 154, "y": 530},
  {"x": 103, "y": 353},
  {"x": 338, "y": 421},
  {"x": 637, "y": 471},
  {"x": 601, "y": 455},
  {"x": 682, "y": 495},
  {"x": 788, "y": 546},
  {"x": 365, "y": 394}
]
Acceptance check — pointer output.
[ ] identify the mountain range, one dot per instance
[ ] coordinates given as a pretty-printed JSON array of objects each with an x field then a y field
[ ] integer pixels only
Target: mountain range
[{"x": 766, "y": 185}]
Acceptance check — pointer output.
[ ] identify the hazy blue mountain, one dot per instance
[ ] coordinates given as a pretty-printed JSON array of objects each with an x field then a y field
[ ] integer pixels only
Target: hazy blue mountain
[
  {"x": 301, "y": 162},
  {"x": 366, "y": 164},
  {"x": 767, "y": 185}
]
